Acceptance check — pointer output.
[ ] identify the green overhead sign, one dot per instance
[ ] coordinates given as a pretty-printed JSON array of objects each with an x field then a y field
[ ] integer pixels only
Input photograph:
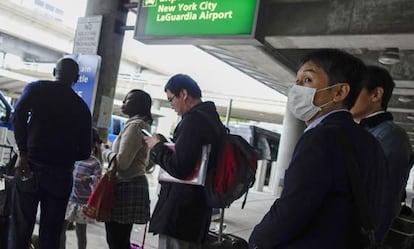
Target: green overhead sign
[{"x": 196, "y": 21}]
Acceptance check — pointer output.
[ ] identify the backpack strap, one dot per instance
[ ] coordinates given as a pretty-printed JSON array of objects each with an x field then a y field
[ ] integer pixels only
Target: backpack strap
[
  {"x": 356, "y": 186},
  {"x": 217, "y": 129}
]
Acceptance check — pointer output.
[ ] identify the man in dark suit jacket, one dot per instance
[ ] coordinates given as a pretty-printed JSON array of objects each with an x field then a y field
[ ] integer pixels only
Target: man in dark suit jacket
[{"x": 316, "y": 208}]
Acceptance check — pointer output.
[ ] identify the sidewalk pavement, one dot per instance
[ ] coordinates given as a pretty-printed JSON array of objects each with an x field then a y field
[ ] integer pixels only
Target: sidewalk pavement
[{"x": 239, "y": 222}]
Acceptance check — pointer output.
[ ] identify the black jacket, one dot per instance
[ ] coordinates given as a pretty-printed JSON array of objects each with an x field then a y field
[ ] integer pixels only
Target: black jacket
[
  {"x": 181, "y": 211},
  {"x": 52, "y": 124},
  {"x": 316, "y": 208}
]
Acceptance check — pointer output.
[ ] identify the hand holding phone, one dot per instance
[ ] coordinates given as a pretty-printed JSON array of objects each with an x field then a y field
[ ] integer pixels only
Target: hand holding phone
[{"x": 146, "y": 133}]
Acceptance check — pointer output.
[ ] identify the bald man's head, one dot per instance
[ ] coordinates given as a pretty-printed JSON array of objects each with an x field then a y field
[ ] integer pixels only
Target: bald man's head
[{"x": 67, "y": 71}]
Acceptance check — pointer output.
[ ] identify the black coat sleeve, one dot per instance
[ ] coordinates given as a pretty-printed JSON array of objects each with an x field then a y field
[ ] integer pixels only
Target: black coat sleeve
[{"x": 188, "y": 146}]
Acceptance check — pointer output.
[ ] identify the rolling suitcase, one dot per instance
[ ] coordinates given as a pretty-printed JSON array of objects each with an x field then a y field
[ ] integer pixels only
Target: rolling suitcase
[{"x": 222, "y": 240}]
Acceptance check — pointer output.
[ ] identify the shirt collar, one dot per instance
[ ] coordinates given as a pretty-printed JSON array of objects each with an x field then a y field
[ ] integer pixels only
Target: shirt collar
[
  {"x": 319, "y": 119},
  {"x": 375, "y": 113},
  {"x": 375, "y": 119}
]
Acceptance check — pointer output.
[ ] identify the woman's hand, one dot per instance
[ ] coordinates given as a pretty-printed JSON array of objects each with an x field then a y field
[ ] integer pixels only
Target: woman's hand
[{"x": 104, "y": 146}]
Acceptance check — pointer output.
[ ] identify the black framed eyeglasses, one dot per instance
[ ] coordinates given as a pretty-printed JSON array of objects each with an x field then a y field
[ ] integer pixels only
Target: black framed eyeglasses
[{"x": 171, "y": 99}]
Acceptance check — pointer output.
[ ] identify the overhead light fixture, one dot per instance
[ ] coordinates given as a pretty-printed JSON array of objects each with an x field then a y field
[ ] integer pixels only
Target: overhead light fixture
[
  {"x": 410, "y": 117},
  {"x": 405, "y": 99},
  {"x": 389, "y": 56}
]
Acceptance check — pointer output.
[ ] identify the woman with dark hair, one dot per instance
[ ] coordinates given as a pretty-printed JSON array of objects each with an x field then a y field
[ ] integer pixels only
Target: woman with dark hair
[{"x": 131, "y": 156}]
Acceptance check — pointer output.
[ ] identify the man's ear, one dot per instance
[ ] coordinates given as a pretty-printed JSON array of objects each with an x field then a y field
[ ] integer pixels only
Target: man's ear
[
  {"x": 184, "y": 94},
  {"x": 342, "y": 92},
  {"x": 377, "y": 94}
]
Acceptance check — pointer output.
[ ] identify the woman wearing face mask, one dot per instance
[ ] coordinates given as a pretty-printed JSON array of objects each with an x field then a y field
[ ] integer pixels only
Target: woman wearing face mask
[
  {"x": 316, "y": 208},
  {"x": 131, "y": 158}
]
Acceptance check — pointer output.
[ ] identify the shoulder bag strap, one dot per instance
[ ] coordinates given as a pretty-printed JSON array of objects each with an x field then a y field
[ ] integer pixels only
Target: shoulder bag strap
[
  {"x": 112, "y": 166},
  {"x": 217, "y": 129},
  {"x": 356, "y": 185}
]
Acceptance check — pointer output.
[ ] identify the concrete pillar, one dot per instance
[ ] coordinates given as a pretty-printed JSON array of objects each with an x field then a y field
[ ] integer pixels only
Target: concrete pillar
[
  {"x": 156, "y": 104},
  {"x": 272, "y": 179},
  {"x": 260, "y": 175},
  {"x": 110, "y": 48},
  {"x": 291, "y": 131}
]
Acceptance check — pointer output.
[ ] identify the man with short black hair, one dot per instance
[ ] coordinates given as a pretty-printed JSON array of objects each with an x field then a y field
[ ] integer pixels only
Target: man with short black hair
[
  {"x": 52, "y": 127},
  {"x": 317, "y": 208},
  {"x": 370, "y": 110},
  {"x": 181, "y": 216}
]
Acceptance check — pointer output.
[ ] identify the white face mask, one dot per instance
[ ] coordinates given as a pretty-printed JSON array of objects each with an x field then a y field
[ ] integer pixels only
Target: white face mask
[{"x": 300, "y": 102}]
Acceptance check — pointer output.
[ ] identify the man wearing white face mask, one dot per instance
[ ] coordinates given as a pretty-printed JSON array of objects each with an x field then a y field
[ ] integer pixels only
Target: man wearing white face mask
[
  {"x": 301, "y": 101},
  {"x": 316, "y": 208}
]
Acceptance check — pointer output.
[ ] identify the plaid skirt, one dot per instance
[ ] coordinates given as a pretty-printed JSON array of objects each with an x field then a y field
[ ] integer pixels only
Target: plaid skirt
[{"x": 132, "y": 203}]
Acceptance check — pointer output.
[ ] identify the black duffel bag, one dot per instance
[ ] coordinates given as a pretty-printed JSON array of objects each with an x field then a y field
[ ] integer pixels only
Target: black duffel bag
[{"x": 401, "y": 232}]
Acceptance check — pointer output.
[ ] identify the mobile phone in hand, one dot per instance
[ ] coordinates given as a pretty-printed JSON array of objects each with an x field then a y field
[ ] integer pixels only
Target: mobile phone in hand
[{"x": 146, "y": 133}]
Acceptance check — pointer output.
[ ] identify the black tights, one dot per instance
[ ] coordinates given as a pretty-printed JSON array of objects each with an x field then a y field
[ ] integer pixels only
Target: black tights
[
  {"x": 80, "y": 234},
  {"x": 118, "y": 235}
]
